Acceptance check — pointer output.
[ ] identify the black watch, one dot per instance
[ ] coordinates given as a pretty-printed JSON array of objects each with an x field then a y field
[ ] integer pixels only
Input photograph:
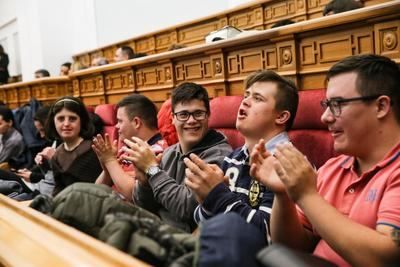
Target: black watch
[{"x": 152, "y": 170}]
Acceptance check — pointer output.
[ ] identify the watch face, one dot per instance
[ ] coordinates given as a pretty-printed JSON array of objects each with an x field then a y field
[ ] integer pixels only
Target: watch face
[{"x": 153, "y": 170}]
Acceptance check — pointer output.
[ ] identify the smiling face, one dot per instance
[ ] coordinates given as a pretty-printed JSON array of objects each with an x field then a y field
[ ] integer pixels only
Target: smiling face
[
  {"x": 350, "y": 127},
  {"x": 257, "y": 114},
  {"x": 191, "y": 131},
  {"x": 68, "y": 125}
]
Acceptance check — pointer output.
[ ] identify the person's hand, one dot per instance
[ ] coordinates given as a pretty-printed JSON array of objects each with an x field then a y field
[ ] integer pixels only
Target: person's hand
[
  {"x": 24, "y": 174},
  {"x": 295, "y": 171},
  {"x": 104, "y": 148},
  {"x": 201, "y": 177},
  {"x": 262, "y": 168},
  {"x": 140, "y": 153},
  {"x": 46, "y": 154}
]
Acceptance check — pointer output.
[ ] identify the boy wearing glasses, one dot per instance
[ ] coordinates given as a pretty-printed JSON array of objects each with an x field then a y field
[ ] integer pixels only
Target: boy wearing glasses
[
  {"x": 349, "y": 211},
  {"x": 267, "y": 111},
  {"x": 161, "y": 187}
]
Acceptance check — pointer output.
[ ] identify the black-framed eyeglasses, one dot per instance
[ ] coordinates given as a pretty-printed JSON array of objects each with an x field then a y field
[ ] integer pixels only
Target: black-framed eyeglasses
[
  {"x": 198, "y": 115},
  {"x": 335, "y": 104}
]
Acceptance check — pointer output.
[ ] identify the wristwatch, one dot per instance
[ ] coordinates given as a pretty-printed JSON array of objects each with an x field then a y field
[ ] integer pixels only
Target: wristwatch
[{"x": 152, "y": 170}]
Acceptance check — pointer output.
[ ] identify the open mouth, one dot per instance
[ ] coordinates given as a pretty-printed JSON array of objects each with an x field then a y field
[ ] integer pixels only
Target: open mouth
[{"x": 242, "y": 114}]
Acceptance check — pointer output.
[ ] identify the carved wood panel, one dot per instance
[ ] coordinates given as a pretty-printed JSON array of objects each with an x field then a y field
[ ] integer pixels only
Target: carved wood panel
[
  {"x": 120, "y": 80},
  {"x": 247, "y": 19},
  {"x": 387, "y": 37},
  {"x": 200, "y": 68},
  {"x": 196, "y": 33},
  {"x": 160, "y": 74},
  {"x": 24, "y": 94},
  {"x": 334, "y": 46},
  {"x": 91, "y": 85},
  {"x": 145, "y": 45}
]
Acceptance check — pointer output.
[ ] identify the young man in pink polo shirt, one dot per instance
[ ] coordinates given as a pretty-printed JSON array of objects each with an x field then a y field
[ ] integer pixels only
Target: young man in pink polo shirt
[{"x": 349, "y": 211}]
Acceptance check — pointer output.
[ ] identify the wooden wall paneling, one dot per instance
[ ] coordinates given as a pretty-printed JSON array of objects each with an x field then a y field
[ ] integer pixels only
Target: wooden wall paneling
[
  {"x": 387, "y": 39},
  {"x": 195, "y": 34},
  {"x": 85, "y": 60},
  {"x": 165, "y": 40},
  {"x": 12, "y": 97},
  {"x": 247, "y": 19},
  {"x": 91, "y": 88},
  {"x": 146, "y": 45},
  {"x": 315, "y": 8},
  {"x": 109, "y": 53},
  {"x": 24, "y": 95},
  {"x": 274, "y": 12}
]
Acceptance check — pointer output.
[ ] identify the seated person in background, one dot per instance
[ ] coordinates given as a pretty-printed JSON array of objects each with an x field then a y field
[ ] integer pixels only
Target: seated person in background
[
  {"x": 65, "y": 68},
  {"x": 161, "y": 187},
  {"x": 136, "y": 116},
  {"x": 339, "y": 6},
  {"x": 175, "y": 47},
  {"x": 282, "y": 23},
  {"x": 76, "y": 66},
  {"x": 74, "y": 160},
  {"x": 11, "y": 141},
  {"x": 124, "y": 53},
  {"x": 349, "y": 211},
  {"x": 99, "y": 61},
  {"x": 267, "y": 112},
  {"x": 41, "y": 73},
  {"x": 137, "y": 55}
]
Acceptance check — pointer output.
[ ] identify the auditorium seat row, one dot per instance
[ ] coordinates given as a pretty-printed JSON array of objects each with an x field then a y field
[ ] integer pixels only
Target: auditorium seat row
[{"x": 308, "y": 133}]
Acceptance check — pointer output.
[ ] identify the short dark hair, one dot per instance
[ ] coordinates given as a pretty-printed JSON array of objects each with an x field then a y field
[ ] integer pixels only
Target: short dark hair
[
  {"x": 7, "y": 114},
  {"x": 186, "y": 92},
  {"x": 45, "y": 73},
  {"x": 67, "y": 64},
  {"x": 41, "y": 115},
  {"x": 339, "y": 6},
  {"x": 137, "y": 105},
  {"x": 282, "y": 23},
  {"x": 127, "y": 50},
  {"x": 376, "y": 75},
  {"x": 76, "y": 106},
  {"x": 287, "y": 96}
]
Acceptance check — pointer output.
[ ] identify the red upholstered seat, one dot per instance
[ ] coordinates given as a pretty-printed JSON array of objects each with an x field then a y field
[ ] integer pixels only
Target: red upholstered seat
[
  {"x": 108, "y": 113},
  {"x": 308, "y": 133},
  {"x": 165, "y": 126},
  {"x": 223, "y": 118}
]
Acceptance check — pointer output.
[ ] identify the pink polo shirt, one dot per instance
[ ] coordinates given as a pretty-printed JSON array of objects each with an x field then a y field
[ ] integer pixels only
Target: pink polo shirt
[{"x": 371, "y": 199}]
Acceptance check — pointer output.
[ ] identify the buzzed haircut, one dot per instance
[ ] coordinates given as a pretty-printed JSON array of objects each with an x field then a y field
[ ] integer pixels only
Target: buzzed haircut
[
  {"x": 287, "y": 96},
  {"x": 376, "y": 75},
  {"x": 67, "y": 64},
  {"x": 43, "y": 72},
  {"x": 137, "y": 105},
  {"x": 186, "y": 92}
]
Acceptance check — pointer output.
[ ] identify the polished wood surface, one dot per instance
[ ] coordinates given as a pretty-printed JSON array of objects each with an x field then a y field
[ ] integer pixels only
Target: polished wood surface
[
  {"x": 29, "y": 238},
  {"x": 255, "y": 15}
]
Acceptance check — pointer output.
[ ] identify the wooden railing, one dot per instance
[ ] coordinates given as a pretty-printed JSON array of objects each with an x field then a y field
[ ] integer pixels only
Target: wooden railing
[
  {"x": 256, "y": 15},
  {"x": 303, "y": 52},
  {"x": 29, "y": 238},
  {"x": 45, "y": 89}
]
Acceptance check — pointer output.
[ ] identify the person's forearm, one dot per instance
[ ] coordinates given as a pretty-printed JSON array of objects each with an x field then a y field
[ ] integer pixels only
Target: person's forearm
[
  {"x": 120, "y": 178},
  {"x": 286, "y": 227},
  {"x": 356, "y": 243}
]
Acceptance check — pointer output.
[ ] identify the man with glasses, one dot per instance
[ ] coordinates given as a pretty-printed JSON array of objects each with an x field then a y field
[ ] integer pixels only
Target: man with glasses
[
  {"x": 349, "y": 211},
  {"x": 161, "y": 187}
]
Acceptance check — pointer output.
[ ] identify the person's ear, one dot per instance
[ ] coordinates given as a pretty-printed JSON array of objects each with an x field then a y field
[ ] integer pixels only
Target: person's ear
[
  {"x": 282, "y": 117},
  {"x": 383, "y": 104},
  {"x": 137, "y": 122}
]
